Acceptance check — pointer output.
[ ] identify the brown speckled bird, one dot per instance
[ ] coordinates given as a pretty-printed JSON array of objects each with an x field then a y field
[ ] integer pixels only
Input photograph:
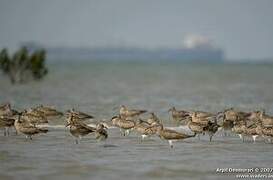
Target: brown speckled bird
[
  {"x": 78, "y": 128},
  {"x": 79, "y": 115},
  {"x": 179, "y": 116},
  {"x": 130, "y": 113},
  {"x": 26, "y": 128},
  {"x": 101, "y": 132},
  {"x": 6, "y": 122},
  {"x": 171, "y": 135},
  {"x": 125, "y": 125}
]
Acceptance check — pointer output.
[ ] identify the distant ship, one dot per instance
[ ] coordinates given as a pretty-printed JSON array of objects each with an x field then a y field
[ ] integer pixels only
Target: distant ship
[{"x": 195, "y": 49}]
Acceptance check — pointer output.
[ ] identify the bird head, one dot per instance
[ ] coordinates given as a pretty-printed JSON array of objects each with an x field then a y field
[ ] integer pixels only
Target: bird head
[{"x": 101, "y": 126}]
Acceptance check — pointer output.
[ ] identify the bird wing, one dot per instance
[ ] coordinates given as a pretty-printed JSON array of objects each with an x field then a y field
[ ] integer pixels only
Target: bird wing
[
  {"x": 53, "y": 113},
  {"x": 135, "y": 112},
  {"x": 195, "y": 127},
  {"x": 29, "y": 129},
  {"x": 85, "y": 126},
  {"x": 150, "y": 130},
  {"x": 182, "y": 113},
  {"x": 126, "y": 124},
  {"x": 171, "y": 134}
]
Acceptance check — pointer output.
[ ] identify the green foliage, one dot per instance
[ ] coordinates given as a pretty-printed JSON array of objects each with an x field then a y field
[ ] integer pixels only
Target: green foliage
[
  {"x": 37, "y": 61},
  {"x": 23, "y": 66},
  {"x": 4, "y": 60}
]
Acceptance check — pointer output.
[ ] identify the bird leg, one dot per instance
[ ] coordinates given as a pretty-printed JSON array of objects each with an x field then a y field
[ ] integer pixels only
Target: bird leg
[
  {"x": 122, "y": 132},
  {"x": 210, "y": 137},
  {"x": 7, "y": 130},
  {"x": 16, "y": 132},
  {"x": 143, "y": 136},
  {"x": 28, "y": 137},
  {"x": 241, "y": 137},
  {"x": 127, "y": 132},
  {"x": 170, "y": 143},
  {"x": 254, "y": 138}
]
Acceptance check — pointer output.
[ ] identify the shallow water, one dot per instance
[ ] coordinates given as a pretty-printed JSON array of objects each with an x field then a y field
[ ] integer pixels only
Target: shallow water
[{"x": 98, "y": 87}]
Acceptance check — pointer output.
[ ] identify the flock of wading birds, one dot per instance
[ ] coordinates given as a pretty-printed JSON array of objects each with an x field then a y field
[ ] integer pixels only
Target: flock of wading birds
[{"x": 245, "y": 124}]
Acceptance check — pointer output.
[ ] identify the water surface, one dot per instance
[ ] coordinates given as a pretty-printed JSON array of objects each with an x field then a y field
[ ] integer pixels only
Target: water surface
[{"x": 98, "y": 87}]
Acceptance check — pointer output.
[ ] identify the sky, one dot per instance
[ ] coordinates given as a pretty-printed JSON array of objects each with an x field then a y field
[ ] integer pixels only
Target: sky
[{"x": 243, "y": 28}]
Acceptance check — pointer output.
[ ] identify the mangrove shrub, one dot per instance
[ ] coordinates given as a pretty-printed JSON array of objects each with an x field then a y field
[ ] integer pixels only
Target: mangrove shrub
[{"x": 23, "y": 65}]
